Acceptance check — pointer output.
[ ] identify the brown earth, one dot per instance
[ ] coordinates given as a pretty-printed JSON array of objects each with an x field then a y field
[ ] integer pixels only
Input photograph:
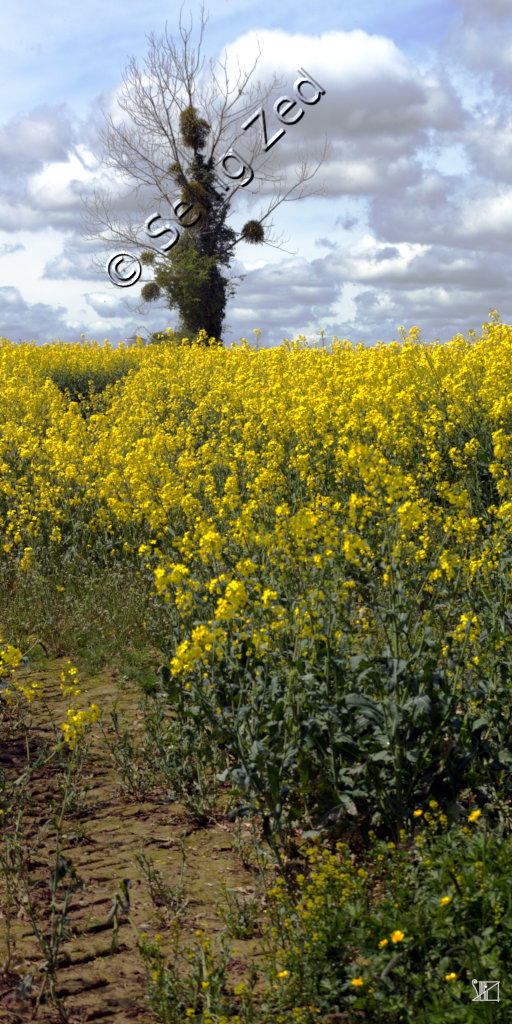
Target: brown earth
[{"x": 101, "y": 840}]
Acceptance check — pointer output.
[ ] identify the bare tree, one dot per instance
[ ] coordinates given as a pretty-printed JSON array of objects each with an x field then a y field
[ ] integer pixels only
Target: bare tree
[{"x": 145, "y": 149}]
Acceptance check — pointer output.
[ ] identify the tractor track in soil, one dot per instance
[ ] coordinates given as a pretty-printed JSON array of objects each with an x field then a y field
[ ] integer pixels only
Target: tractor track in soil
[{"x": 98, "y": 984}]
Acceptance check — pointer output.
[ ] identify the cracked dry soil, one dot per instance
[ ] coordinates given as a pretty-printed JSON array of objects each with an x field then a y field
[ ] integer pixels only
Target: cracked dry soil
[{"x": 101, "y": 842}]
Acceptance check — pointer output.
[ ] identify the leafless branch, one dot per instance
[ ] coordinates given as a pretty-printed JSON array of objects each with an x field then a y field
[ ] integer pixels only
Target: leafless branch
[{"x": 141, "y": 146}]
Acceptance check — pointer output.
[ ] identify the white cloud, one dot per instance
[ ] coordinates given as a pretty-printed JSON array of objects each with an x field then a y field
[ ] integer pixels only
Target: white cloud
[
  {"x": 26, "y": 141},
  {"x": 488, "y": 215},
  {"x": 55, "y": 187},
  {"x": 112, "y": 305},
  {"x": 417, "y": 212}
]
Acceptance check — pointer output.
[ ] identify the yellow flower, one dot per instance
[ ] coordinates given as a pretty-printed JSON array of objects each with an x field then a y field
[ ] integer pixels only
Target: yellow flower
[
  {"x": 444, "y": 900},
  {"x": 283, "y": 974},
  {"x": 383, "y": 942},
  {"x": 417, "y": 814},
  {"x": 474, "y": 815},
  {"x": 357, "y": 981},
  {"x": 450, "y": 977},
  {"x": 397, "y": 936}
]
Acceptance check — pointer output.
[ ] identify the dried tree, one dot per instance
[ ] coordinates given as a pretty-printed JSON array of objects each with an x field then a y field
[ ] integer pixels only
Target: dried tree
[{"x": 147, "y": 148}]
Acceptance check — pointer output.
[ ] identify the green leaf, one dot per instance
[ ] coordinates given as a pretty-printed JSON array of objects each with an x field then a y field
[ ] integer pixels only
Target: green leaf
[
  {"x": 479, "y": 723},
  {"x": 348, "y": 804},
  {"x": 59, "y": 873}
]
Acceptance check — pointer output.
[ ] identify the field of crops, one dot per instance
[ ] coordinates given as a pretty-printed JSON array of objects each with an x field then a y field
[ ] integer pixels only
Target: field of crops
[{"x": 300, "y": 561}]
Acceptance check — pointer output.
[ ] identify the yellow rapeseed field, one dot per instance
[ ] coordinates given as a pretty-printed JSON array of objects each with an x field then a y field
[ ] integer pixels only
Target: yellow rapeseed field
[
  {"x": 262, "y": 485},
  {"x": 321, "y": 542},
  {"x": 293, "y": 508}
]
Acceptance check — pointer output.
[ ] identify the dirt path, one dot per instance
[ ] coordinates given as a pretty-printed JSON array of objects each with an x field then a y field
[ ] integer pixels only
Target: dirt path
[{"x": 100, "y": 985}]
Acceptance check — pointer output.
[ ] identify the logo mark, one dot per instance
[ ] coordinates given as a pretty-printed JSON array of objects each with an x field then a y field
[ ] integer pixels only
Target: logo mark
[
  {"x": 113, "y": 269},
  {"x": 486, "y": 991}
]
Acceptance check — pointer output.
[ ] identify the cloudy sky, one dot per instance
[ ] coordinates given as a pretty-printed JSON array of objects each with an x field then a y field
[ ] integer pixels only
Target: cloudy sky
[{"x": 413, "y": 222}]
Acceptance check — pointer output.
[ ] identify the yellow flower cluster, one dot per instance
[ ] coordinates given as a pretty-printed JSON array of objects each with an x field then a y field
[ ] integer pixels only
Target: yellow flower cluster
[
  {"x": 10, "y": 658},
  {"x": 190, "y": 652},
  {"x": 234, "y": 599},
  {"x": 77, "y": 721},
  {"x": 330, "y": 880}
]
